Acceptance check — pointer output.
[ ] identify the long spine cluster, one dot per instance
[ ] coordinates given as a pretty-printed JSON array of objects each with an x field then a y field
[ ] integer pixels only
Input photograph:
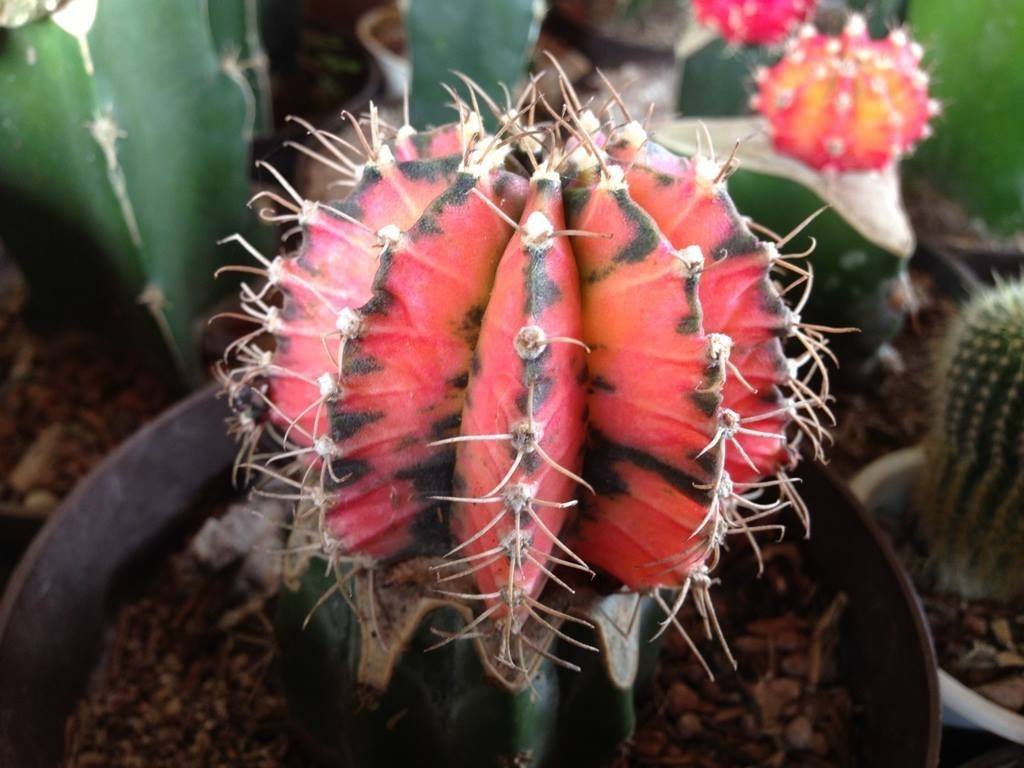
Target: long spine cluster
[{"x": 530, "y": 356}]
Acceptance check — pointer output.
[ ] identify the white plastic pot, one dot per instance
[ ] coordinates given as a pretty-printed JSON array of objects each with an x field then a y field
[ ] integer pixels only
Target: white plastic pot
[
  {"x": 884, "y": 487},
  {"x": 394, "y": 67}
]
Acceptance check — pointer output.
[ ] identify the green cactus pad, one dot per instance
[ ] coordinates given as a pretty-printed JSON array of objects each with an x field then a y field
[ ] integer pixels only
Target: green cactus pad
[
  {"x": 488, "y": 40},
  {"x": 125, "y": 159}
]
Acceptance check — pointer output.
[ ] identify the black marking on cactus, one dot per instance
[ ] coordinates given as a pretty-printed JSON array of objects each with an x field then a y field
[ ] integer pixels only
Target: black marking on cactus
[
  {"x": 603, "y": 455},
  {"x": 345, "y": 424},
  {"x": 541, "y": 291},
  {"x": 364, "y": 365},
  {"x": 431, "y": 169},
  {"x": 431, "y": 532},
  {"x": 645, "y": 237},
  {"x": 352, "y": 205},
  {"x": 739, "y": 241},
  {"x": 461, "y": 381},
  {"x": 502, "y": 181},
  {"x": 600, "y": 382},
  {"x": 425, "y": 226},
  {"x": 469, "y": 328},
  {"x": 453, "y": 197},
  {"x": 444, "y": 427},
  {"x": 575, "y": 200},
  {"x": 582, "y": 376},
  {"x": 433, "y": 475},
  {"x": 381, "y": 300},
  {"x": 531, "y": 463},
  {"x": 542, "y": 386},
  {"x": 250, "y": 399},
  {"x": 706, "y": 402},
  {"x": 348, "y": 472},
  {"x": 474, "y": 363}
]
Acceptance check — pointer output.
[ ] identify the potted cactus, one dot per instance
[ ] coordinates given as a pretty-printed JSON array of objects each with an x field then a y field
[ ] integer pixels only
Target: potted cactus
[
  {"x": 523, "y": 388},
  {"x": 957, "y": 500}
]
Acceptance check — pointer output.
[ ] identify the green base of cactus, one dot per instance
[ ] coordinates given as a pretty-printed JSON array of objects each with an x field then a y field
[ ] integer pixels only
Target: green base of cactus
[{"x": 443, "y": 707}]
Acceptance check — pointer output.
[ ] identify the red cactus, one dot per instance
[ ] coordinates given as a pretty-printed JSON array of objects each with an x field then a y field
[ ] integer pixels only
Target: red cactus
[
  {"x": 846, "y": 102},
  {"x": 464, "y": 354},
  {"x": 754, "y": 22}
]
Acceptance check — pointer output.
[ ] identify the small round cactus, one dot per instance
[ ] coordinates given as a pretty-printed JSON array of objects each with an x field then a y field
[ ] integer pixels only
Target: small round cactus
[
  {"x": 970, "y": 504},
  {"x": 846, "y": 102},
  {"x": 754, "y": 22}
]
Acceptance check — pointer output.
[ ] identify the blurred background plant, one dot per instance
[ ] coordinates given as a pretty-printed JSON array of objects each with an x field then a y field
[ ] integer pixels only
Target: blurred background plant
[
  {"x": 968, "y": 179},
  {"x": 126, "y": 132},
  {"x": 865, "y": 235}
]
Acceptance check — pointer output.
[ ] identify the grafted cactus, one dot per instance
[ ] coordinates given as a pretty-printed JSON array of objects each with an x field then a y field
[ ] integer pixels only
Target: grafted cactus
[
  {"x": 504, "y": 365},
  {"x": 847, "y": 102},
  {"x": 970, "y": 503}
]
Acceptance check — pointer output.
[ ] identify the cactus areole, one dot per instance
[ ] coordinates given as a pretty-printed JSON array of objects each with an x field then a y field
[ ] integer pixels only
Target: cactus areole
[
  {"x": 846, "y": 102},
  {"x": 753, "y": 22},
  {"x": 507, "y": 364}
]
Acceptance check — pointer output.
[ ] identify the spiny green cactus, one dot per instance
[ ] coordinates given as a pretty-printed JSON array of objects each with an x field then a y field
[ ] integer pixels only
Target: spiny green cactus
[
  {"x": 124, "y": 142},
  {"x": 970, "y": 503}
]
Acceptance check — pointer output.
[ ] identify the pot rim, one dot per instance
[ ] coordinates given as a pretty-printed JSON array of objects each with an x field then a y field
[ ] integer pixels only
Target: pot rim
[
  {"x": 28, "y": 566},
  {"x": 68, "y": 505},
  {"x": 964, "y": 704}
]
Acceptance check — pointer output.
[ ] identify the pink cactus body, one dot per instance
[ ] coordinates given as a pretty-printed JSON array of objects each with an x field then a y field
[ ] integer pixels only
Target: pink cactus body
[
  {"x": 534, "y": 374},
  {"x": 846, "y": 102},
  {"x": 754, "y": 22}
]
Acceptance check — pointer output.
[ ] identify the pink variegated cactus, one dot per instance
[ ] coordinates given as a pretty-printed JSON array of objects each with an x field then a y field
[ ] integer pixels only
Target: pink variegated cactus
[{"x": 524, "y": 358}]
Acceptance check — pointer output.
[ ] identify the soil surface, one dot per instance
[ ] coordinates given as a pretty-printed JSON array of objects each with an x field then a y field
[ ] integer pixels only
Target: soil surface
[
  {"x": 888, "y": 409},
  {"x": 66, "y": 399},
  {"x": 785, "y": 705},
  {"x": 981, "y": 644},
  {"x": 190, "y": 678}
]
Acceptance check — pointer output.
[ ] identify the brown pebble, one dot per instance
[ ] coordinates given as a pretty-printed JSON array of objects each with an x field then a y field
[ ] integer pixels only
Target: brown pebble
[
  {"x": 790, "y": 641},
  {"x": 682, "y": 698},
  {"x": 689, "y": 725},
  {"x": 975, "y": 624},
  {"x": 1009, "y": 659},
  {"x": 799, "y": 733},
  {"x": 748, "y": 645},
  {"x": 1007, "y": 692},
  {"x": 650, "y": 743},
  {"x": 1001, "y": 630},
  {"x": 795, "y": 665},
  {"x": 819, "y": 744}
]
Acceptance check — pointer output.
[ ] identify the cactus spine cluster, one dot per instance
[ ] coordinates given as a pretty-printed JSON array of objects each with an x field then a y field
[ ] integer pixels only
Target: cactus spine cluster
[
  {"x": 846, "y": 102},
  {"x": 506, "y": 364},
  {"x": 970, "y": 502},
  {"x": 754, "y": 23}
]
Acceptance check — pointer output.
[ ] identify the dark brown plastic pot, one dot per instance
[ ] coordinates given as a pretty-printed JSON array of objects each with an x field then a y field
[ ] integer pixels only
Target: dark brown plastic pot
[
  {"x": 135, "y": 506},
  {"x": 1011, "y": 757}
]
